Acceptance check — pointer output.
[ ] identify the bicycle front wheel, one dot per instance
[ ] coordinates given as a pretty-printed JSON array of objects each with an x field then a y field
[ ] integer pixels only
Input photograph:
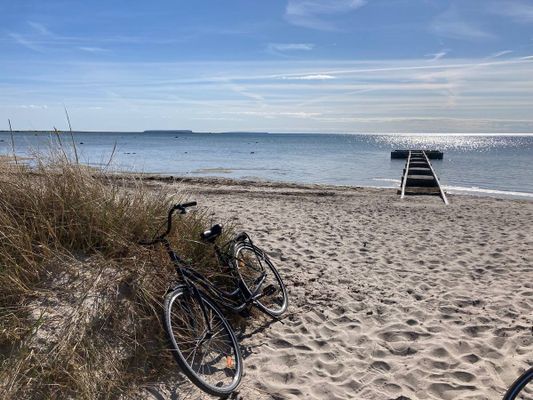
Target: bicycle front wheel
[
  {"x": 203, "y": 342},
  {"x": 521, "y": 389},
  {"x": 252, "y": 264}
]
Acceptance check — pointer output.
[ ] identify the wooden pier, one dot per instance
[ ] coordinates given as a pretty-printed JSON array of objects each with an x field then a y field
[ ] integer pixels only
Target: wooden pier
[{"x": 419, "y": 177}]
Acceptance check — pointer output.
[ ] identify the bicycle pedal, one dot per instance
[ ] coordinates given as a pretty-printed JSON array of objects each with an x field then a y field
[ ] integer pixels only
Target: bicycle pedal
[
  {"x": 245, "y": 313},
  {"x": 269, "y": 290}
]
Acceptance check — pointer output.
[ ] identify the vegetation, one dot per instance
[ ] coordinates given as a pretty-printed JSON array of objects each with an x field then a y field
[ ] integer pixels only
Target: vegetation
[{"x": 79, "y": 298}]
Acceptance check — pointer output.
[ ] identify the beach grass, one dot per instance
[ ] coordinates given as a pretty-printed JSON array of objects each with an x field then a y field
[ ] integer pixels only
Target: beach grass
[{"x": 80, "y": 299}]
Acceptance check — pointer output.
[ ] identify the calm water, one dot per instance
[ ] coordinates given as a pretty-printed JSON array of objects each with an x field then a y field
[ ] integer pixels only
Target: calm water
[{"x": 491, "y": 165}]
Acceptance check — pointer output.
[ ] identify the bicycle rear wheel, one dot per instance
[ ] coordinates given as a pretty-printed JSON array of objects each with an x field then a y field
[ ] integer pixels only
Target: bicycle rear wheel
[
  {"x": 522, "y": 388},
  {"x": 203, "y": 343},
  {"x": 251, "y": 264}
]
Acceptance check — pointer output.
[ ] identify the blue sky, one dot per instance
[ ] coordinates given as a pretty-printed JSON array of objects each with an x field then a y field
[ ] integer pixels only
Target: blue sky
[{"x": 280, "y": 66}]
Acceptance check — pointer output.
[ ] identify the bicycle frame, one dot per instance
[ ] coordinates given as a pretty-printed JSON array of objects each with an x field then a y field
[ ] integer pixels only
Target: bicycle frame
[
  {"x": 236, "y": 301},
  {"x": 191, "y": 278}
]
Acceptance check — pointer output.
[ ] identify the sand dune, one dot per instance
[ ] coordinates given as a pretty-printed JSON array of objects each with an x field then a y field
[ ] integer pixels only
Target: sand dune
[{"x": 389, "y": 299}]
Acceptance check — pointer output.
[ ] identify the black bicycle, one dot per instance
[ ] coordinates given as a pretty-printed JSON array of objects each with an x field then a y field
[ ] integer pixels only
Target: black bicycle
[
  {"x": 201, "y": 338},
  {"x": 520, "y": 389}
]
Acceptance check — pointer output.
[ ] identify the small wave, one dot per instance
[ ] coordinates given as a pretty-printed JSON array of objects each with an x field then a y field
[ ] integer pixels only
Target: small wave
[
  {"x": 493, "y": 192},
  {"x": 396, "y": 181},
  {"x": 218, "y": 170}
]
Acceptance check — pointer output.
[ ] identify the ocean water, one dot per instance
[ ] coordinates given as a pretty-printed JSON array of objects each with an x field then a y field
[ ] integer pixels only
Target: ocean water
[{"x": 499, "y": 165}]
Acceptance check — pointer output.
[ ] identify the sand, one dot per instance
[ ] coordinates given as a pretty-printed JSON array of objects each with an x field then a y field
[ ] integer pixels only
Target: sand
[{"x": 389, "y": 298}]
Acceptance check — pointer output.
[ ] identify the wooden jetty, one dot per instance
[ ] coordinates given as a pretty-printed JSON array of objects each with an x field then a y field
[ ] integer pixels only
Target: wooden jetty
[{"x": 419, "y": 177}]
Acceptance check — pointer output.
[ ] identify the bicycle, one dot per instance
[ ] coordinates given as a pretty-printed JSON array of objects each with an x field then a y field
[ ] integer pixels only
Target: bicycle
[
  {"x": 201, "y": 338},
  {"x": 520, "y": 389}
]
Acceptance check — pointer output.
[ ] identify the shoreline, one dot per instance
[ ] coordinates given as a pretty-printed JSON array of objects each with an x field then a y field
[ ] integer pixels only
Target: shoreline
[
  {"x": 187, "y": 131},
  {"x": 451, "y": 192},
  {"x": 359, "y": 160}
]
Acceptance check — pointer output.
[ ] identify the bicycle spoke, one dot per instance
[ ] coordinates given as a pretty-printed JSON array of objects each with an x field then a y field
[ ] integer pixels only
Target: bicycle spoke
[
  {"x": 194, "y": 355},
  {"x": 204, "y": 343},
  {"x": 217, "y": 332},
  {"x": 257, "y": 273},
  {"x": 201, "y": 362}
]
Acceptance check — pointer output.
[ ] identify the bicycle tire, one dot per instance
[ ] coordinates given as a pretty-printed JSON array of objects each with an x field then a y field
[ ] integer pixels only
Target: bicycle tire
[
  {"x": 186, "y": 328},
  {"x": 516, "y": 389},
  {"x": 247, "y": 266}
]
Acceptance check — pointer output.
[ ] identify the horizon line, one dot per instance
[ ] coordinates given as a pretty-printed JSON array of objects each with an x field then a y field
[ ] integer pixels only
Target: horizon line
[{"x": 188, "y": 131}]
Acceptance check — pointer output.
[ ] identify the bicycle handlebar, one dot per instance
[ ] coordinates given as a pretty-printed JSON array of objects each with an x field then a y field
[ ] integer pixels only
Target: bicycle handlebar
[
  {"x": 180, "y": 206},
  {"x": 186, "y": 205}
]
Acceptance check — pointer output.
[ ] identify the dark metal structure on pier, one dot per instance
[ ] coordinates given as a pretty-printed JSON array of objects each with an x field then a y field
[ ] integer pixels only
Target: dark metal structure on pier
[
  {"x": 431, "y": 154},
  {"x": 419, "y": 177}
]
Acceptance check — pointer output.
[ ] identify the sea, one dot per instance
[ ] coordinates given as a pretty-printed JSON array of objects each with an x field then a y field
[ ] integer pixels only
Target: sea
[{"x": 487, "y": 165}]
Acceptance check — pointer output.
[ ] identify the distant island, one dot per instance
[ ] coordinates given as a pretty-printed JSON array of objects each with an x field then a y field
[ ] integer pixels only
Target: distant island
[{"x": 168, "y": 131}]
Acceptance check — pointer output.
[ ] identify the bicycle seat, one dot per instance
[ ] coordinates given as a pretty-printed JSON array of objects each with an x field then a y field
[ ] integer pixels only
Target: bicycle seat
[
  {"x": 241, "y": 236},
  {"x": 211, "y": 234}
]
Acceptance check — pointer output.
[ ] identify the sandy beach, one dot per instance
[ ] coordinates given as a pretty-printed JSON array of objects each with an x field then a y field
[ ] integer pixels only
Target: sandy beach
[
  {"x": 295, "y": 121},
  {"x": 389, "y": 299}
]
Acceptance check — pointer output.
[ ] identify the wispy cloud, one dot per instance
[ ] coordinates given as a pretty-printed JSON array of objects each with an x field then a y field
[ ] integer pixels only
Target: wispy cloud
[
  {"x": 291, "y": 46},
  {"x": 437, "y": 56},
  {"x": 500, "y": 54},
  {"x": 460, "y": 30},
  {"x": 37, "y": 38},
  {"x": 519, "y": 11},
  {"x": 40, "y": 28},
  {"x": 287, "y": 50},
  {"x": 315, "y": 77},
  {"x": 33, "y": 106},
  {"x": 93, "y": 49},
  {"x": 454, "y": 25},
  {"x": 385, "y": 95},
  {"x": 273, "y": 114},
  {"x": 23, "y": 41},
  {"x": 243, "y": 91},
  {"x": 40, "y": 38},
  {"x": 318, "y": 14}
]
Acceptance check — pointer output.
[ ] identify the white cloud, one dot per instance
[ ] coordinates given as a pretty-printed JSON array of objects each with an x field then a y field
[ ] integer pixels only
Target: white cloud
[
  {"x": 500, "y": 53},
  {"x": 380, "y": 95},
  {"x": 274, "y": 114},
  {"x": 37, "y": 39},
  {"x": 453, "y": 25},
  {"x": 40, "y": 38},
  {"x": 93, "y": 49},
  {"x": 314, "y": 13},
  {"x": 315, "y": 77},
  {"x": 34, "y": 106},
  {"x": 459, "y": 30},
  {"x": 40, "y": 28},
  {"x": 291, "y": 46},
  {"x": 517, "y": 10},
  {"x": 437, "y": 56},
  {"x": 23, "y": 41},
  {"x": 243, "y": 91}
]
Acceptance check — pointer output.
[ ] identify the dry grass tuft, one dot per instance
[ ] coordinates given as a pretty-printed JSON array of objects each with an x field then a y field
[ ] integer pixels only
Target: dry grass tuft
[{"x": 79, "y": 299}]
